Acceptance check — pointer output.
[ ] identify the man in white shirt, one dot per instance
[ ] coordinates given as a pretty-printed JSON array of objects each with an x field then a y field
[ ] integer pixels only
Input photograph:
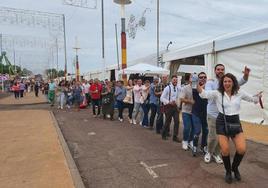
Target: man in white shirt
[
  {"x": 169, "y": 98},
  {"x": 86, "y": 91},
  {"x": 137, "y": 90},
  {"x": 212, "y": 113}
]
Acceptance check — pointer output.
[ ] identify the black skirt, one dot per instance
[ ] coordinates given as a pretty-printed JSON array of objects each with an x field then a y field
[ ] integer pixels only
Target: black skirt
[{"x": 220, "y": 125}]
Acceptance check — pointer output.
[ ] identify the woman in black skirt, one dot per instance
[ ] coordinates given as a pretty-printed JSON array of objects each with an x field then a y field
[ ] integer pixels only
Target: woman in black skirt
[{"x": 228, "y": 99}]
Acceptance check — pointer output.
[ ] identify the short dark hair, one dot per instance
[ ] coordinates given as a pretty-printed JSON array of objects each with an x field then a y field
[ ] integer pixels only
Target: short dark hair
[
  {"x": 235, "y": 84},
  {"x": 187, "y": 76},
  {"x": 201, "y": 73},
  {"x": 174, "y": 76},
  {"x": 219, "y": 64}
]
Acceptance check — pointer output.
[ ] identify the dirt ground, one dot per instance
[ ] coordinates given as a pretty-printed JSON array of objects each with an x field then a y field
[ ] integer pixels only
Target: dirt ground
[{"x": 31, "y": 154}]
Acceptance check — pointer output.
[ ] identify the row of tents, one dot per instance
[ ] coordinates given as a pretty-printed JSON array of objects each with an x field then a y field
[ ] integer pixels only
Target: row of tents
[{"x": 248, "y": 48}]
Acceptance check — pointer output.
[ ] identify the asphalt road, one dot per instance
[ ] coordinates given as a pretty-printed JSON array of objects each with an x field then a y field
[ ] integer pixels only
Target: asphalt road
[{"x": 114, "y": 154}]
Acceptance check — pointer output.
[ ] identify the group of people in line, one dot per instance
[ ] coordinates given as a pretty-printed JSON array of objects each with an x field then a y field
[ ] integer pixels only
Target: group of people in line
[{"x": 209, "y": 109}]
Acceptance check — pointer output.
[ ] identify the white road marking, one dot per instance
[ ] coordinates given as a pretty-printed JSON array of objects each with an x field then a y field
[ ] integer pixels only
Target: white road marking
[
  {"x": 91, "y": 134},
  {"x": 150, "y": 168}
]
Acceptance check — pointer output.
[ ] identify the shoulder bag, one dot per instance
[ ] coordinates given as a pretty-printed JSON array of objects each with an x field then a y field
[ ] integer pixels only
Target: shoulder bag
[
  {"x": 231, "y": 129},
  {"x": 165, "y": 108}
]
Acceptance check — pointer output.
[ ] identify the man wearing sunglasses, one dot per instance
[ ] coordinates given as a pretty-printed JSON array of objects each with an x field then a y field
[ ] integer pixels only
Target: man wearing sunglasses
[{"x": 199, "y": 116}]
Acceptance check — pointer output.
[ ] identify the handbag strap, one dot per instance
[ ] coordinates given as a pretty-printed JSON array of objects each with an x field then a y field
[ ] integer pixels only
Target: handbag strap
[
  {"x": 224, "y": 117},
  {"x": 169, "y": 93}
]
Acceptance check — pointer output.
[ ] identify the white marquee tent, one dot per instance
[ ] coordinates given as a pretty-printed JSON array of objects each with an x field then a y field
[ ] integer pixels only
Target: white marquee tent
[
  {"x": 235, "y": 51},
  {"x": 143, "y": 68}
]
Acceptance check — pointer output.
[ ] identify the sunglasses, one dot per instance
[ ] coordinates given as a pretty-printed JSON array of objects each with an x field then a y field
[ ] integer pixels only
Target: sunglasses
[{"x": 202, "y": 77}]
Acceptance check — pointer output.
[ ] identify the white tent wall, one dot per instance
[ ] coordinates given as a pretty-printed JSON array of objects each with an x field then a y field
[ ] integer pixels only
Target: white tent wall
[
  {"x": 256, "y": 58},
  {"x": 210, "y": 64}
]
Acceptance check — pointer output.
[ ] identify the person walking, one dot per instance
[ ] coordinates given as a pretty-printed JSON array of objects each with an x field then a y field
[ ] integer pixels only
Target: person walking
[
  {"x": 145, "y": 99},
  {"x": 187, "y": 101},
  {"x": 159, "y": 88},
  {"x": 228, "y": 99},
  {"x": 77, "y": 95},
  {"x": 51, "y": 92},
  {"x": 212, "y": 113},
  {"x": 36, "y": 88},
  {"x": 199, "y": 116},
  {"x": 169, "y": 98},
  {"x": 108, "y": 100},
  {"x": 137, "y": 90},
  {"x": 154, "y": 103},
  {"x": 61, "y": 94},
  {"x": 22, "y": 88},
  {"x": 129, "y": 100},
  {"x": 16, "y": 89},
  {"x": 95, "y": 92},
  {"x": 120, "y": 94},
  {"x": 86, "y": 87}
]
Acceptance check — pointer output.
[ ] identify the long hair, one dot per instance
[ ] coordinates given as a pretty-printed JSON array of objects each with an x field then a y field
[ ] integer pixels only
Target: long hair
[{"x": 235, "y": 87}]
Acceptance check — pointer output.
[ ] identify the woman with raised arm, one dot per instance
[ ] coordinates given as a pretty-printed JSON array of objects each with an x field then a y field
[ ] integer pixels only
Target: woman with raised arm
[{"x": 228, "y": 99}]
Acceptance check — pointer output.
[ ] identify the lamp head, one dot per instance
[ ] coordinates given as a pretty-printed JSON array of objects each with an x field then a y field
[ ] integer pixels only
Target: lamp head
[{"x": 122, "y": 2}]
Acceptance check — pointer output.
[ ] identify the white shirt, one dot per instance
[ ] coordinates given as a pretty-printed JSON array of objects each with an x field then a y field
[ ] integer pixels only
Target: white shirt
[
  {"x": 86, "y": 87},
  {"x": 212, "y": 109},
  {"x": 174, "y": 94},
  {"x": 231, "y": 105},
  {"x": 137, "y": 90},
  {"x": 187, "y": 93},
  {"x": 145, "y": 93}
]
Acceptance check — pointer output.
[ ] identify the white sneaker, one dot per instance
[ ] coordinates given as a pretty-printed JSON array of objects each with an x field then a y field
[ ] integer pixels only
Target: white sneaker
[
  {"x": 120, "y": 119},
  {"x": 134, "y": 122},
  {"x": 108, "y": 116},
  {"x": 191, "y": 145},
  {"x": 130, "y": 120},
  {"x": 141, "y": 123},
  {"x": 217, "y": 159},
  {"x": 185, "y": 145},
  {"x": 207, "y": 157}
]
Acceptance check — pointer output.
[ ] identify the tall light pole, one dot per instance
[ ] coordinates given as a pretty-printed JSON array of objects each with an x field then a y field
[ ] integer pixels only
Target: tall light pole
[
  {"x": 76, "y": 48},
  {"x": 157, "y": 35},
  {"x": 102, "y": 37},
  {"x": 123, "y": 35},
  {"x": 65, "y": 50},
  {"x": 1, "y": 50}
]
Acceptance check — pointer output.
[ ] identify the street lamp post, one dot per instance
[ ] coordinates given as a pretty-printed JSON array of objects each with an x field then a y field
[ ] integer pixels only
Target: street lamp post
[
  {"x": 123, "y": 35},
  {"x": 76, "y": 48},
  {"x": 170, "y": 42}
]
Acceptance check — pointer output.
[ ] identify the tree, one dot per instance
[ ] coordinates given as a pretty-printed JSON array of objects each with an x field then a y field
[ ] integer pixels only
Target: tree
[{"x": 61, "y": 73}]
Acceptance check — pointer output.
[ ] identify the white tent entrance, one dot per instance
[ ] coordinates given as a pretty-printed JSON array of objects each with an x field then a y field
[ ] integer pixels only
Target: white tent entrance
[{"x": 144, "y": 69}]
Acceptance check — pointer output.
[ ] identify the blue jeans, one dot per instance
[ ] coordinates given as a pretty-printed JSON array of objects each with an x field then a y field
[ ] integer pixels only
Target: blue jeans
[
  {"x": 120, "y": 106},
  {"x": 187, "y": 127},
  {"x": 200, "y": 124},
  {"x": 145, "y": 108},
  {"x": 137, "y": 109}
]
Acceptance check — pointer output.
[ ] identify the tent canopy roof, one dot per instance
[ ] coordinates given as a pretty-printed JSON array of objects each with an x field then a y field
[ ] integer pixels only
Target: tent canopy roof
[
  {"x": 143, "y": 68},
  {"x": 228, "y": 41}
]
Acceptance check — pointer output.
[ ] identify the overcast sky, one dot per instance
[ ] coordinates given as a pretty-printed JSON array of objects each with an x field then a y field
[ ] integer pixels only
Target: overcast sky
[{"x": 181, "y": 21}]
